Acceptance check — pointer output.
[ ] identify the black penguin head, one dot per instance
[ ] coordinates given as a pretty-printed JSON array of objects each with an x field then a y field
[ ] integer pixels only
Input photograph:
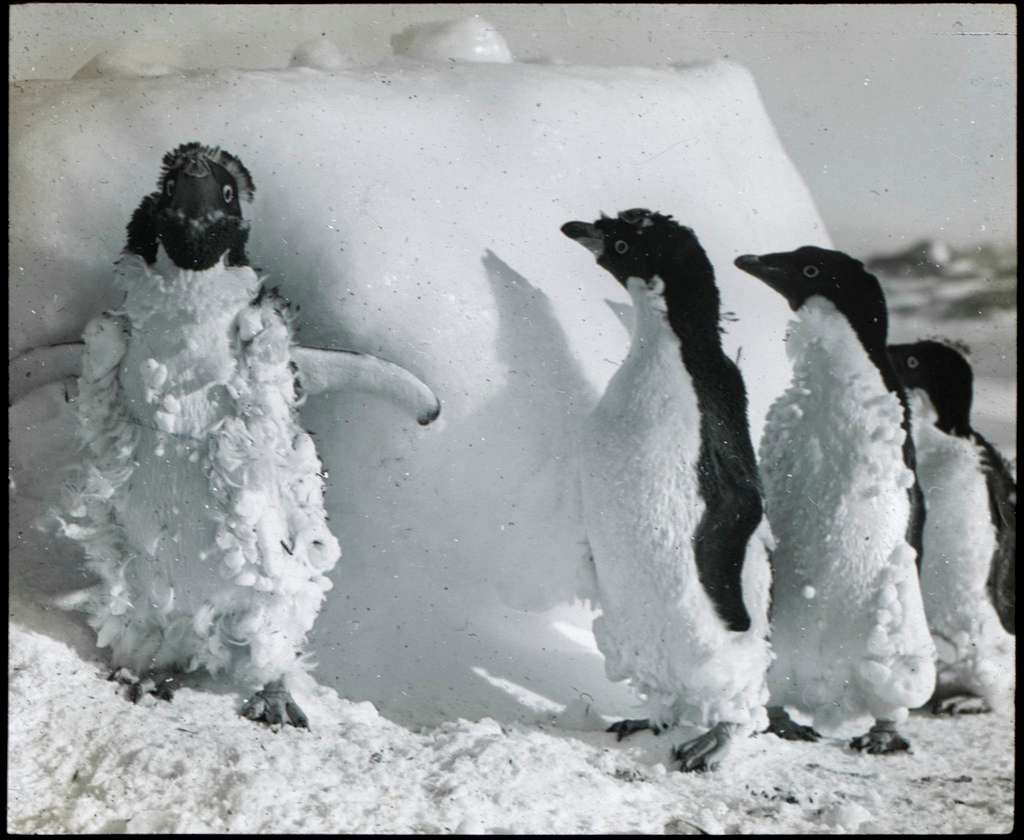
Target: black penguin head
[
  {"x": 638, "y": 243},
  {"x": 198, "y": 214},
  {"x": 810, "y": 271},
  {"x": 944, "y": 374}
]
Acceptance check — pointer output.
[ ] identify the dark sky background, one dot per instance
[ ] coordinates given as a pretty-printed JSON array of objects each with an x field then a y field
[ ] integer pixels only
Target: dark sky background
[{"x": 901, "y": 118}]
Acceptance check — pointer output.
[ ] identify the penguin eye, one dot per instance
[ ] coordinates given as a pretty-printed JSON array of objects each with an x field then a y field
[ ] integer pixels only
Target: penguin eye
[
  {"x": 621, "y": 246},
  {"x": 169, "y": 187},
  {"x": 228, "y": 193},
  {"x": 811, "y": 271},
  {"x": 912, "y": 362}
]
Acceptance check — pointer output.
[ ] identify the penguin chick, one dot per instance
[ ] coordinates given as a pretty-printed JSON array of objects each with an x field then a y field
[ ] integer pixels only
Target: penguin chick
[
  {"x": 200, "y": 503},
  {"x": 196, "y": 212},
  {"x": 970, "y": 536},
  {"x": 672, "y": 500},
  {"x": 837, "y": 459}
]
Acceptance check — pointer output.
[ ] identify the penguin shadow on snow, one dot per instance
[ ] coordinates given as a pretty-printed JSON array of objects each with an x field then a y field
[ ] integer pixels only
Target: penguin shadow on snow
[
  {"x": 508, "y": 640},
  {"x": 43, "y": 566},
  {"x": 531, "y": 427}
]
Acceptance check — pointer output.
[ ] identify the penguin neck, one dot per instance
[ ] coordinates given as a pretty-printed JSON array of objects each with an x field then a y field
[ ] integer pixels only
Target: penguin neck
[
  {"x": 687, "y": 310},
  {"x": 871, "y": 339}
]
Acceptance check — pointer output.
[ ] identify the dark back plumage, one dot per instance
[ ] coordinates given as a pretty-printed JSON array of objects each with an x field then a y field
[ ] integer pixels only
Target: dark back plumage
[{"x": 644, "y": 244}]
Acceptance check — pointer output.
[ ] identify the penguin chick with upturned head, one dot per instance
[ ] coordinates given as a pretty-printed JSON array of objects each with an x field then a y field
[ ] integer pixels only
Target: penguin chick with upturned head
[
  {"x": 970, "y": 536},
  {"x": 200, "y": 503},
  {"x": 672, "y": 500},
  {"x": 837, "y": 460}
]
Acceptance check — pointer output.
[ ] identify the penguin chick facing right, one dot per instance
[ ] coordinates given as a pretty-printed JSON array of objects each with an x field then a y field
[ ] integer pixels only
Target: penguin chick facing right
[
  {"x": 848, "y": 623},
  {"x": 672, "y": 499},
  {"x": 970, "y": 536}
]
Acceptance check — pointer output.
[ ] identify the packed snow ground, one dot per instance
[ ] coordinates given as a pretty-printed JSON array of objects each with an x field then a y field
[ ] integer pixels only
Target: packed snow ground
[{"x": 82, "y": 759}]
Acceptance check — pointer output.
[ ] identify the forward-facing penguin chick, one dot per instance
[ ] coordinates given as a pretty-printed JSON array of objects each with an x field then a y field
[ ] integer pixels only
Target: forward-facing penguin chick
[
  {"x": 200, "y": 506},
  {"x": 672, "y": 500},
  {"x": 970, "y": 536},
  {"x": 848, "y": 624}
]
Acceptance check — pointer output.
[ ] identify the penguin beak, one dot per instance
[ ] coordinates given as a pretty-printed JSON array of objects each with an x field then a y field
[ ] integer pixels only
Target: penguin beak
[
  {"x": 772, "y": 276},
  {"x": 587, "y": 235},
  {"x": 195, "y": 195}
]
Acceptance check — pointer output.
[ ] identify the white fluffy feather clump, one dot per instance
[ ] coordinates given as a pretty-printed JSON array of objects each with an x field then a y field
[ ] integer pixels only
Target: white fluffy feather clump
[
  {"x": 849, "y": 628},
  {"x": 975, "y": 653},
  {"x": 201, "y": 507}
]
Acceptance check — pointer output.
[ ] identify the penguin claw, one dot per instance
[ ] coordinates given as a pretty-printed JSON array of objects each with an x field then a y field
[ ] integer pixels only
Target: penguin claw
[
  {"x": 274, "y": 706},
  {"x": 625, "y": 728},
  {"x": 706, "y": 751},
  {"x": 961, "y": 704},
  {"x": 881, "y": 739},
  {"x": 782, "y": 725},
  {"x": 161, "y": 684}
]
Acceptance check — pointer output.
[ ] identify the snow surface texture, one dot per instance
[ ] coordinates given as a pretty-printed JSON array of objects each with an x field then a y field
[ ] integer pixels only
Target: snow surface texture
[
  {"x": 413, "y": 211},
  {"x": 848, "y": 624},
  {"x": 976, "y": 654},
  {"x": 82, "y": 760},
  {"x": 642, "y": 505},
  {"x": 200, "y": 505},
  {"x": 469, "y": 39}
]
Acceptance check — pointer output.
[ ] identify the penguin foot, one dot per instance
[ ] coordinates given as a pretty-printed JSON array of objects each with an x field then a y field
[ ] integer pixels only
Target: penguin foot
[
  {"x": 781, "y": 724},
  {"x": 161, "y": 683},
  {"x": 274, "y": 705},
  {"x": 881, "y": 738},
  {"x": 961, "y": 704},
  {"x": 706, "y": 751},
  {"x": 625, "y": 728}
]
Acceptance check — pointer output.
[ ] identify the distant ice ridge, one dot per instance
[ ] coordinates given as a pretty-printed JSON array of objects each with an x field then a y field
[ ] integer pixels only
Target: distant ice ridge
[
  {"x": 935, "y": 257},
  {"x": 468, "y": 39},
  {"x": 319, "y": 54}
]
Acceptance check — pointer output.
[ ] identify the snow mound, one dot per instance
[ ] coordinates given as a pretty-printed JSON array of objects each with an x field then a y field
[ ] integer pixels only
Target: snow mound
[
  {"x": 319, "y": 54},
  {"x": 468, "y": 39},
  {"x": 413, "y": 211},
  {"x": 133, "y": 59}
]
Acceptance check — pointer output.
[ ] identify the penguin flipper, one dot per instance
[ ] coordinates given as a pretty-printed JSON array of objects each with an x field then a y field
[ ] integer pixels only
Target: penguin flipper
[
  {"x": 731, "y": 516},
  {"x": 142, "y": 233},
  {"x": 42, "y": 365},
  {"x": 322, "y": 370}
]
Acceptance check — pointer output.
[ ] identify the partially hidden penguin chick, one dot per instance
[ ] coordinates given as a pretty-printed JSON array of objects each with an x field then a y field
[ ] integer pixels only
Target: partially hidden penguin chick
[
  {"x": 837, "y": 459},
  {"x": 970, "y": 535},
  {"x": 672, "y": 500},
  {"x": 200, "y": 506}
]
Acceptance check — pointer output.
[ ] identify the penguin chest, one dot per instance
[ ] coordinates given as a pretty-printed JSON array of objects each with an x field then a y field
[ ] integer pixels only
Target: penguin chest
[
  {"x": 834, "y": 475},
  {"x": 959, "y": 539},
  {"x": 183, "y": 351},
  {"x": 641, "y": 497}
]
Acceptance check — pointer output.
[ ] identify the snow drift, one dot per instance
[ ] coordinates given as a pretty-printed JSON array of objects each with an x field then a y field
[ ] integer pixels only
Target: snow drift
[{"x": 413, "y": 211}]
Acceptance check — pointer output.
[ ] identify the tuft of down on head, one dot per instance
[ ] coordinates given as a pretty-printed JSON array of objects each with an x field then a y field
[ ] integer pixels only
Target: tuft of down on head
[
  {"x": 190, "y": 154},
  {"x": 196, "y": 214},
  {"x": 940, "y": 370}
]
